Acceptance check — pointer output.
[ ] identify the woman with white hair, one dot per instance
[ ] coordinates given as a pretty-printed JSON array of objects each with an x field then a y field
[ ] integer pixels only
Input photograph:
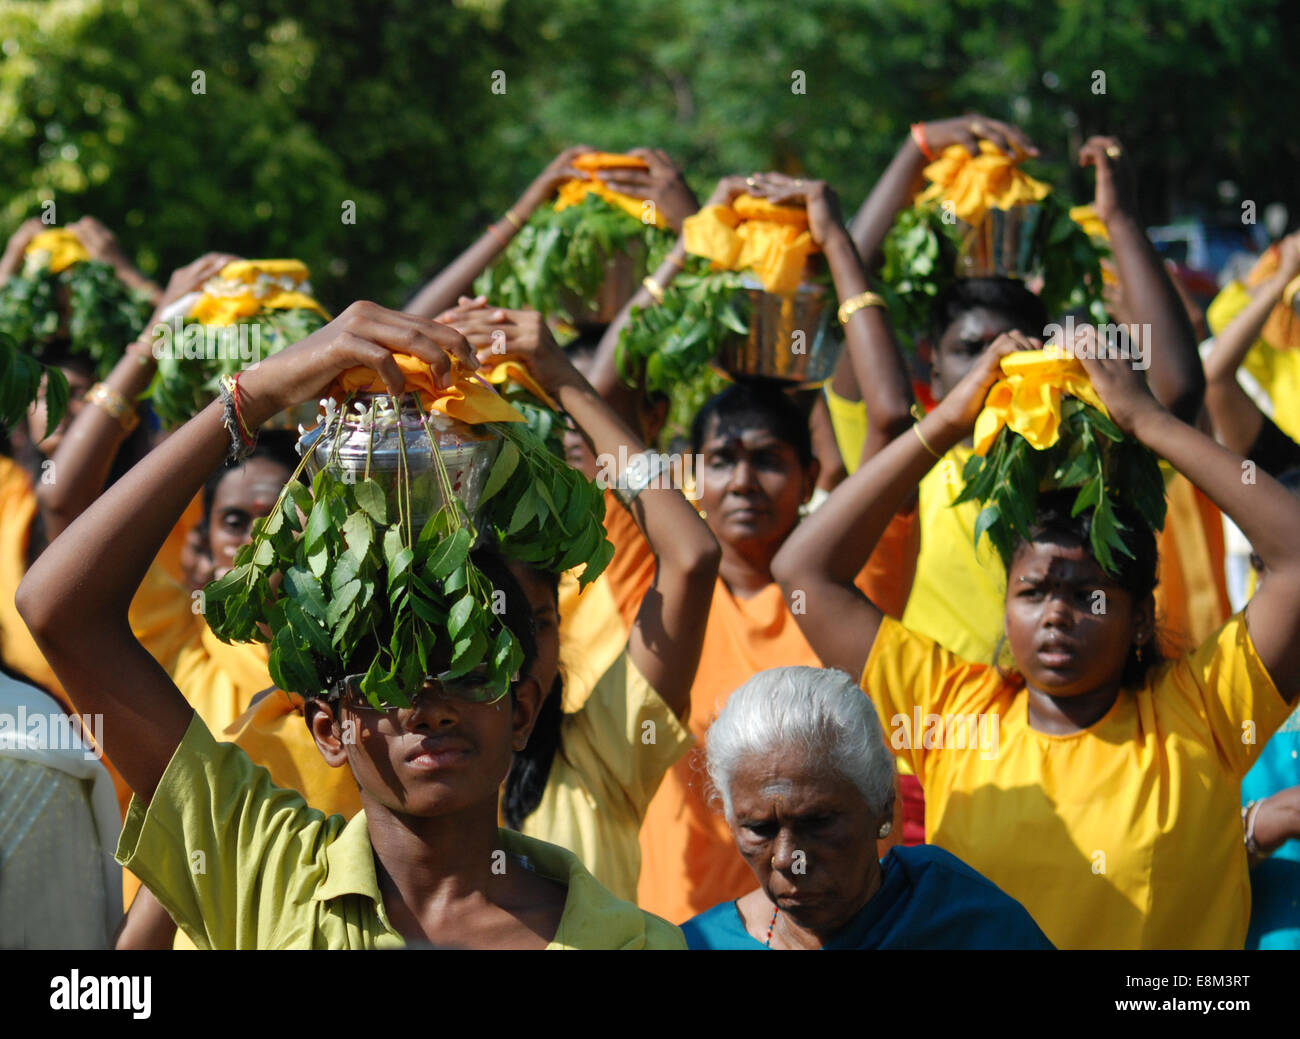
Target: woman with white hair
[{"x": 806, "y": 782}]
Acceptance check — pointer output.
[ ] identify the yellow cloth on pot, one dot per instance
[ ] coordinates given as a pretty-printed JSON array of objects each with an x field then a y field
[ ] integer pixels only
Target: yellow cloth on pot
[
  {"x": 508, "y": 370},
  {"x": 1028, "y": 398},
  {"x": 262, "y": 291},
  {"x": 753, "y": 234},
  {"x": 976, "y": 184},
  {"x": 574, "y": 190},
  {"x": 64, "y": 247},
  {"x": 468, "y": 399}
]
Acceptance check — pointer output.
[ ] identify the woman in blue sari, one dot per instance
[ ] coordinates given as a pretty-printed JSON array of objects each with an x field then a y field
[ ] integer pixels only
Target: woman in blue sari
[{"x": 806, "y": 782}]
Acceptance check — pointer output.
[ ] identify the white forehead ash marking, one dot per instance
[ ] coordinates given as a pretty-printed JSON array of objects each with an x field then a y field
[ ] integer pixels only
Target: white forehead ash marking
[{"x": 777, "y": 788}]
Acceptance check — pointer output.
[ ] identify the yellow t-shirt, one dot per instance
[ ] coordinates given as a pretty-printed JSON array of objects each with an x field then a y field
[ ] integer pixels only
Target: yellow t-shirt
[
  {"x": 849, "y": 422},
  {"x": 613, "y": 755},
  {"x": 219, "y": 679},
  {"x": 1126, "y": 835},
  {"x": 278, "y": 874},
  {"x": 1275, "y": 366},
  {"x": 959, "y": 593}
]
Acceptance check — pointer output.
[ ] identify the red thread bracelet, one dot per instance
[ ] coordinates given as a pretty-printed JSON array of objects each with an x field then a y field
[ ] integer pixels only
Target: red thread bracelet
[
  {"x": 248, "y": 438},
  {"x": 918, "y": 135},
  {"x": 503, "y": 242}
]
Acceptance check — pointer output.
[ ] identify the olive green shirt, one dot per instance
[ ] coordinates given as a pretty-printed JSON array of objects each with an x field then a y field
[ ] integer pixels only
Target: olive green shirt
[{"x": 240, "y": 863}]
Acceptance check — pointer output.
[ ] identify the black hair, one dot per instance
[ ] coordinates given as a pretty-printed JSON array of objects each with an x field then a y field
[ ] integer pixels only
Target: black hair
[
  {"x": 274, "y": 445},
  {"x": 1007, "y": 296},
  {"x": 531, "y": 769},
  {"x": 1136, "y": 575},
  {"x": 761, "y": 404}
]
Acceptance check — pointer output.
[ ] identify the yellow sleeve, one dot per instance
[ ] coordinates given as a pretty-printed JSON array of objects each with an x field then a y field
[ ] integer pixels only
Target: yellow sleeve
[
  {"x": 1225, "y": 683},
  {"x": 910, "y": 677},
  {"x": 849, "y": 421},
  {"x": 627, "y": 735},
  {"x": 230, "y": 856}
]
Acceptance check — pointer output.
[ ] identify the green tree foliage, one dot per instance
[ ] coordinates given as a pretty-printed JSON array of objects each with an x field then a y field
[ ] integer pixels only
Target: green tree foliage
[{"x": 432, "y": 117}]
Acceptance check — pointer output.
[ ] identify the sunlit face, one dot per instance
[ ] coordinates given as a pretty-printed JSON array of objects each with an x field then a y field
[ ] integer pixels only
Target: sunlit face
[
  {"x": 80, "y": 380},
  {"x": 243, "y": 495},
  {"x": 1069, "y": 625},
  {"x": 963, "y": 341},
  {"x": 808, "y": 835},
  {"x": 751, "y": 484}
]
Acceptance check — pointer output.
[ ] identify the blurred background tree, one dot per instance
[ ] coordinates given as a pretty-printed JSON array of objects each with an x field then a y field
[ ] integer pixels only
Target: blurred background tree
[{"x": 431, "y": 118}]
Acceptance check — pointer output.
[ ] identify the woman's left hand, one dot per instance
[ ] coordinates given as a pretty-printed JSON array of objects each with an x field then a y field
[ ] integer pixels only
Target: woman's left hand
[
  {"x": 1121, "y": 386},
  {"x": 522, "y": 335},
  {"x": 823, "y": 205},
  {"x": 661, "y": 184},
  {"x": 1116, "y": 194}
]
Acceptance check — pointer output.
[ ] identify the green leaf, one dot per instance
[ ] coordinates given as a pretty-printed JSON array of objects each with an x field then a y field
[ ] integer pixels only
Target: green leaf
[
  {"x": 460, "y": 614},
  {"x": 370, "y": 496},
  {"x": 318, "y": 525},
  {"x": 56, "y": 397},
  {"x": 302, "y": 586},
  {"x": 502, "y": 469},
  {"x": 343, "y": 599},
  {"x": 450, "y": 555}
]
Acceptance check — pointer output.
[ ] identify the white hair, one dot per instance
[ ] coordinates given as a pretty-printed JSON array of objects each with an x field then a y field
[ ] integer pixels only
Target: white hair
[{"x": 818, "y": 715}]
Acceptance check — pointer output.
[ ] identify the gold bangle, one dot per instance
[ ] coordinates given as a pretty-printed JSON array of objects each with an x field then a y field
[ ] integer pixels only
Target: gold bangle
[
  {"x": 855, "y": 303},
  {"x": 916, "y": 428},
  {"x": 114, "y": 404},
  {"x": 1289, "y": 293},
  {"x": 653, "y": 287},
  {"x": 510, "y": 215}
]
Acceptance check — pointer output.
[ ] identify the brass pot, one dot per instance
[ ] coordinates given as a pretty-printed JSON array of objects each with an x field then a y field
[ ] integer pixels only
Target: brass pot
[
  {"x": 624, "y": 272},
  {"x": 374, "y": 439},
  {"x": 1003, "y": 245},
  {"x": 788, "y": 337}
]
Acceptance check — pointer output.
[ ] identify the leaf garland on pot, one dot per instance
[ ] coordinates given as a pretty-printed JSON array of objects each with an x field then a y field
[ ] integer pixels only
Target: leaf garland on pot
[
  {"x": 61, "y": 296},
  {"x": 253, "y": 309},
  {"x": 560, "y": 259},
  {"x": 367, "y": 586},
  {"x": 981, "y": 217},
  {"x": 1044, "y": 428},
  {"x": 731, "y": 250}
]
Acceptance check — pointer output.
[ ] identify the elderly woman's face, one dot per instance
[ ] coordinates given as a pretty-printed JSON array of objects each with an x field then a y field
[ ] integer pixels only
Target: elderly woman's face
[{"x": 808, "y": 835}]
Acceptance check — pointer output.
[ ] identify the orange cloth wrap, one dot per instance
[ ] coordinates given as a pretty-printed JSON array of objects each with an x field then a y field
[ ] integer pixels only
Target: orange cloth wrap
[
  {"x": 468, "y": 398},
  {"x": 753, "y": 234},
  {"x": 574, "y": 190}
]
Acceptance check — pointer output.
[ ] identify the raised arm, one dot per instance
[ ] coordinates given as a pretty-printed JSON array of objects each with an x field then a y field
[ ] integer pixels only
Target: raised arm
[
  {"x": 878, "y": 365},
  {"x": 11, "y": 262},
  {"x": 75, "y": 597},
  {"x": 664, "y": 185},
  {"x": 457, "y": 278},
  {"x": 1265, "y": 511},
  {"x": 1237, "y": 419},
  {"x": 668, "y": 633},
  {"x": 827, "y": 550},
  {"x": 85, "y": 456},
  {"x": 1152, "y": 302},
  {"x": 902, "y": 179},
  {"x": 102, "y": 245}
]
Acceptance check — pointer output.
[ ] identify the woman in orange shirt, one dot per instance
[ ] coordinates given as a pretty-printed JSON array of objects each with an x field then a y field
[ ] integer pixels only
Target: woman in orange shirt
[{"x": 754, "y": 470}]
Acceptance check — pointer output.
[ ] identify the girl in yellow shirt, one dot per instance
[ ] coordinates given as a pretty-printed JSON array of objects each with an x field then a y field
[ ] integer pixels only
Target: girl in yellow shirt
[
  {"x": 586, "y": 777},
  {"x": 1095, "y": 782}
]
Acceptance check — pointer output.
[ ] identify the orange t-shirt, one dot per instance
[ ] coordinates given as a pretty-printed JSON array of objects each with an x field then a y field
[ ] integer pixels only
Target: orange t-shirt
[{"x": 689, "y": 861}]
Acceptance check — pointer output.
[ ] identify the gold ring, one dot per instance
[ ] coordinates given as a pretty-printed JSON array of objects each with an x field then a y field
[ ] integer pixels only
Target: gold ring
[
  {"x": 1114, "y": 151},
  {"x": 977, "y": 129},
  {"x": 750, "y": 181}
]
